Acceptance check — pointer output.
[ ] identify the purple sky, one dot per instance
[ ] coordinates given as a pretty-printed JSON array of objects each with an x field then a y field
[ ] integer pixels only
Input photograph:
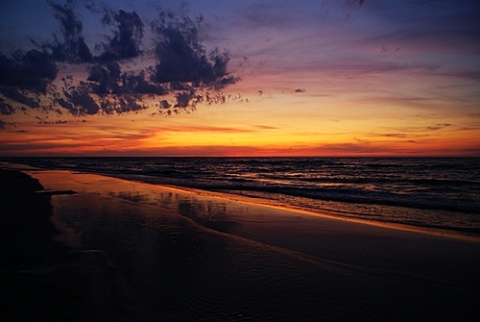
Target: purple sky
[{"x": 322, "y": 75}]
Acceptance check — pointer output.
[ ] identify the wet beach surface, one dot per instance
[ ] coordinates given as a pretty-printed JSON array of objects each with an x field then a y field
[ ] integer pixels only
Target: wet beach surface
[{"x": 139, "y": 252}]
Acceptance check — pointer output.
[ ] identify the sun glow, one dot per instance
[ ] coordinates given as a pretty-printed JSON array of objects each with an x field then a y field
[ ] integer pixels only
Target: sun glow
[{"x": 349, "y": 84}]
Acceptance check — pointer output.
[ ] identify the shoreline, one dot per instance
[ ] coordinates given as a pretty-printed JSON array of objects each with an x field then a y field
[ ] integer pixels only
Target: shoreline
[
  {"x": 265, "y": 202},
  {"x": 447, "y": 233},
  {"x": 160, "y": 252},
  {"x": 268, "y": 203},
  {"x": 246, "y": 218}
]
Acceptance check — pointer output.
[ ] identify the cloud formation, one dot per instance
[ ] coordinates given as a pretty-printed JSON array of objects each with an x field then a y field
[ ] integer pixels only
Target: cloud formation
[
  {"x": 177, "y": 71},
  {"x": 127, "y": 37},
  {"x": 72, "y": 47},
  {"x": 31, "y": 70}
]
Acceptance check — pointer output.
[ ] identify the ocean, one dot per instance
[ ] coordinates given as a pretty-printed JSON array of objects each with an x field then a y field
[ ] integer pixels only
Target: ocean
[{"x": 433, "y": 193}]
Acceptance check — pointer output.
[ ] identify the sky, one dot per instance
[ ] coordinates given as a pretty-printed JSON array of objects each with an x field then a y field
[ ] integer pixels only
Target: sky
[{"x": 240, "y": 78}]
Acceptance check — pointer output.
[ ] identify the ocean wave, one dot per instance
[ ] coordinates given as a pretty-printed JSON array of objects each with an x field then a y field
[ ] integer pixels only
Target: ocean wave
[{"x": 447, "y": 187}]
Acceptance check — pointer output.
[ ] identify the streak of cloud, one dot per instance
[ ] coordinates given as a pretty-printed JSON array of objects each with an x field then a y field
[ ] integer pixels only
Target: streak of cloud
[{"x": 438, "y": 127}]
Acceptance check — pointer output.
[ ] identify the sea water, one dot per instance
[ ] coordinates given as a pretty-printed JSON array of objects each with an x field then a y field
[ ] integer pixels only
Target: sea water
[{"x": 433, "y": 193}]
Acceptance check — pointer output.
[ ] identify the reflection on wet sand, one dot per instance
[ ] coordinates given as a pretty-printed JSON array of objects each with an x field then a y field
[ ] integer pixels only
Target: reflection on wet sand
[{"x": 273, "y": 263}]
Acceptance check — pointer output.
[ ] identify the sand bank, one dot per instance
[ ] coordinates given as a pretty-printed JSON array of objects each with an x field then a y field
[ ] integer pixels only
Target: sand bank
[{"x": 180, "y": 255}]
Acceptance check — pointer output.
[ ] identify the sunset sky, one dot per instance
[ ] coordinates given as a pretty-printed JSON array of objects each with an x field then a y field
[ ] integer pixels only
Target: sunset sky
[{"x": 240, "y": 78}]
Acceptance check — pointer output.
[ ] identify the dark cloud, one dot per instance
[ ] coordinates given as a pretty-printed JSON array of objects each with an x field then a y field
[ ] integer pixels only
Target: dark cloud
[
  {"x": 105, "y": 78},
  {"x": 72, "y": 47},
  {"x": 121, "y": 104},
  {"x": 182, "y": 71},
  {"x": 127, "y": 38},
  {"x": 184, "y": 99},
  {"x": 6, "y": 109},
  {"x": 76, "y": 99},
  {"x": 2, "y": 125},
  {"x": 32, "y": 70},
  {"x": 24, "y": 78},
  {"x": 46, "y": 122},
  {"x": 182, "y": 58},
  {"x": 137, "y": 83},
  {"x": 80, "y": 102},
  {"x": 14, "y": 94},
  {"x": 164, "y": 104},
  {"x": 108, "y": 78}
]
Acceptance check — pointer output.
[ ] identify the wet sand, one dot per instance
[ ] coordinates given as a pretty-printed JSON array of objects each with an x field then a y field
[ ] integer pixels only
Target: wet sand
[{"x": 138, "y": 252}]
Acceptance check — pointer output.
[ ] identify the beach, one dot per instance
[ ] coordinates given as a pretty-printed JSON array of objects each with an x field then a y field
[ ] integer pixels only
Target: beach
[{"x": 123, "y": 250}]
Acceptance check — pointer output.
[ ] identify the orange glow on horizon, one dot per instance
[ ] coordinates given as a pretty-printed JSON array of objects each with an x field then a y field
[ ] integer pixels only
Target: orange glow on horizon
[{"x": 232, "y": 130}]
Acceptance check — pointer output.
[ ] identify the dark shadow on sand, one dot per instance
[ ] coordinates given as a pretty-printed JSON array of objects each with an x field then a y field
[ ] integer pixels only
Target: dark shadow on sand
[
  {"x": 25, "y": 229},
  {"x": 26, "y": 239},
  {"x": 42, "y": 279}
]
